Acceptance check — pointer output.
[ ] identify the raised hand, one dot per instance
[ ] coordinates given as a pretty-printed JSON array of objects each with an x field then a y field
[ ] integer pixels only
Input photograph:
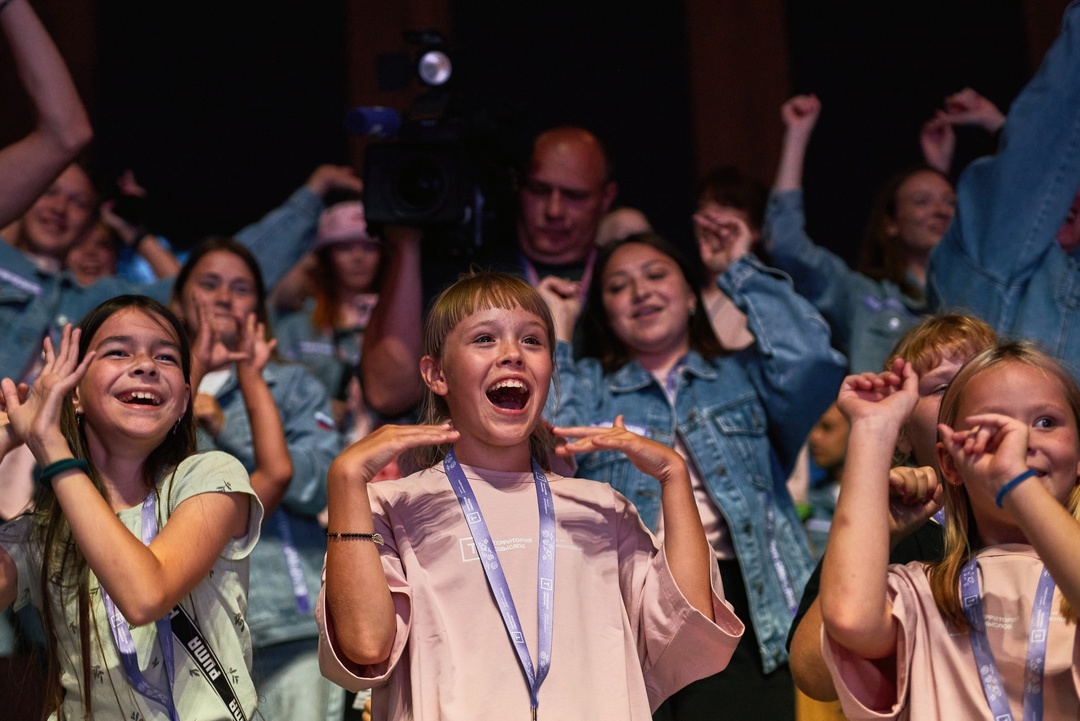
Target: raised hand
[
  {"x": 563, "y": 299},
  {"x": 209, "y": 352},
  {"x": 889, "y": 395},
  {"x": 993, "y": 450},
  {"x": 968, "y": 107},
  {"x": 723, "y": 236},
  {"x": 254, "y": 346},
  {"x": 363, "y": 460},
  {"x": 334, "y": 177},
  {"x": 34, "y": 417},
  {"x": 915, "y": 494},
  {"x": 648, "y": 456},
  {"x": 800, "y": 114},
  {"x": 938, "y": 142}
]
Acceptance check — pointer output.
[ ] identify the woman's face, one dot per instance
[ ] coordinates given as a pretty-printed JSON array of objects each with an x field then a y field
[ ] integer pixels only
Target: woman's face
[
  {"x": 355, "y": 265},
  {"x": 648, "y": 301},
  {"x": 925, "y": 205},
  {"x": 223, "y": 288}
]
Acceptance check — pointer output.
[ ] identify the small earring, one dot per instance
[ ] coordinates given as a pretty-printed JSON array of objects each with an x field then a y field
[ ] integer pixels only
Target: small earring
[
  {"x": 176, "y": 425},
  {"x": 692, "y": 311}
]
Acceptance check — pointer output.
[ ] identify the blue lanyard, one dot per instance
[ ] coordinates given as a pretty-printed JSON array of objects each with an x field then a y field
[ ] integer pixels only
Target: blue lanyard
[
  {"x": 292, "y": 563},
  {"x": 971, "y": 601},
  {"x": 125, "y": 645},
  {"x": 545, "y": 582}
]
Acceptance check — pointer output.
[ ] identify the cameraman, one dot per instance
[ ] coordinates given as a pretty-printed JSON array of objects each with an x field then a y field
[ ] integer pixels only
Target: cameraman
[{"x": 564, "y": 193}]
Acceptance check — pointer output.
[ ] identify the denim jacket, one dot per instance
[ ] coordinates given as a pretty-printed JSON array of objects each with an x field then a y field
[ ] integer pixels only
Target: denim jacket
[
  {"x": 867, "y": 316},
  {"x": 34, "y": 302},
  {"x": 273, "y": 613},
  {"x": 742, "y": 418},
  {"x": 1000, "y": 259}
]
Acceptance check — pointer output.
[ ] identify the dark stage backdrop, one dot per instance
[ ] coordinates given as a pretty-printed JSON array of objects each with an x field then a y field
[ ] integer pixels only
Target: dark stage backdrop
[
  {"x": 880, "y": 70},
  {"x": 224, "y": 111}
]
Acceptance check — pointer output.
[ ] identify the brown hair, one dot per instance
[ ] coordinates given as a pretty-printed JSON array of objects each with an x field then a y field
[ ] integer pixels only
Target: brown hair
[
  {"x": 598, "y": 339},
  {"x": 962, "y": 539},
  {"x": 937, "y": 339},
  {"x": 64, "y": 572},
  {"x": 882, "y": 255},
  {"x": 475, "y": 291}
]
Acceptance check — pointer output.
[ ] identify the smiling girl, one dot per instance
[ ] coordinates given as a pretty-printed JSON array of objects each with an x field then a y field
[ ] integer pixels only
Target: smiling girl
[
  {"x": 487, "y": 582},
  {"x": 137, "y": 550},
  {"x": 950, "y": 639}
]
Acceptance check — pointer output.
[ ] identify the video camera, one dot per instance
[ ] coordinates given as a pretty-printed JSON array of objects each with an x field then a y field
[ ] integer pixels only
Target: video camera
[{"x": 440, "y": 170}]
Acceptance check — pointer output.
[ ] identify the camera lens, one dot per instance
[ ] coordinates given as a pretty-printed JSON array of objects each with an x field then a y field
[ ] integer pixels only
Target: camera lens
[{"x": 421, "y": 182}]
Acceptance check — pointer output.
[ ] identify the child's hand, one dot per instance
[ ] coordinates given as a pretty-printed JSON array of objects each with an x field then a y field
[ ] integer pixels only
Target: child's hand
[
  {"x": 889, "y": 395},
  {"x": 915, "y": 495},
  {"x": 648, "y": 456},
  {"x": 34, "y": 417},
  {"x": 363, "y": 460},
  {"x": 993, "y": 449}
]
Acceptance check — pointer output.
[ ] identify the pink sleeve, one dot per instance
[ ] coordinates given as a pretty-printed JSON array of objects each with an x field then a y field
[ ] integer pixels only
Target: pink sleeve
[
  {"x": 676, "y": 643},
  {"x": 876, "y": 689},
  {"x": 337, "y": 667}
]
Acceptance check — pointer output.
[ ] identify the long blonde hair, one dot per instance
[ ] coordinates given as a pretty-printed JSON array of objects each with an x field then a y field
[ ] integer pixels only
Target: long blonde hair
[
  {"x": 475, "y": 291},
  {"x": 962, "y": 539}
]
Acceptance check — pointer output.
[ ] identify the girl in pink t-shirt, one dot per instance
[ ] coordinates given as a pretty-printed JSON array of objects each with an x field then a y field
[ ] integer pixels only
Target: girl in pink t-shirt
[
  {"x": 988, "y": 631},
  {"x": 444, "y": 592}
]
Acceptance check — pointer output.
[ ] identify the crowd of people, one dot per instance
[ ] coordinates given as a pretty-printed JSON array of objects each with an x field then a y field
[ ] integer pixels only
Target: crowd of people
[{"x": 287, "y": 475}]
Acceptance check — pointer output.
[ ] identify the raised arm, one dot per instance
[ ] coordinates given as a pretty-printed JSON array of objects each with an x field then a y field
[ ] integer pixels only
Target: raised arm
[
  {"x": 357, "y": 596},
  {"x": 63, "y": 129},
  {"x": 792, "y": 364},
  {"x": 855, "y": 606},
  {"x": 144, "y": 581},
  {"x": 390, "y": 361},
  {"x": 280, "y": 237},
  {"x": 273, "y": 465},
  {"x": 800, "y": 115}
]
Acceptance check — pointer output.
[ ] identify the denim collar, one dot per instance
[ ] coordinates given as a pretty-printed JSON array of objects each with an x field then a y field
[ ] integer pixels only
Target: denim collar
[{"x": 633, "y": 377}]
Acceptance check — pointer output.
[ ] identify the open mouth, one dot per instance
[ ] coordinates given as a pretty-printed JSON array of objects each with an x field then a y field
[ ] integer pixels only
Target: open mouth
[
  {"x": 140, "y": 398},
  {"x": 511, "y": 395}
]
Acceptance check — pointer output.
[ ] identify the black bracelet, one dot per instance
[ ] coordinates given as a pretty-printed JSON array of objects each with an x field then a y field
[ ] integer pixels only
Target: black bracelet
[
  {"x": 51, "y": 471},
  {"x": 375, "y": 538}
]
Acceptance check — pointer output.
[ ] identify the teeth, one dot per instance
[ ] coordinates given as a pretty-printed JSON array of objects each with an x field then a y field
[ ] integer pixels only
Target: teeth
[
  {"x": 508, "y": 384},
  {"x": 142, "y": 396}
]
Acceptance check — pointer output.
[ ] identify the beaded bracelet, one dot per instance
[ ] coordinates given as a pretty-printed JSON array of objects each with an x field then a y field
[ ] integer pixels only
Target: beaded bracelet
[
  {"x": 375, "y": 538},
  {"x": 1013, "y": 484},
  {"x": 51, "y": 471}
]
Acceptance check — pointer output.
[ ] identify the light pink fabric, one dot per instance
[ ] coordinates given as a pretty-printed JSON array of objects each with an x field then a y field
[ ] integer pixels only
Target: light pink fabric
[
  {"x": 936, "y": 676},
  {"x": 625, "y": 638}
]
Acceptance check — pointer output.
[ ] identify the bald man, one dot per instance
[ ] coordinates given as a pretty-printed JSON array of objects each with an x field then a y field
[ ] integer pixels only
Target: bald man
[{"x": 564, "y": 191}]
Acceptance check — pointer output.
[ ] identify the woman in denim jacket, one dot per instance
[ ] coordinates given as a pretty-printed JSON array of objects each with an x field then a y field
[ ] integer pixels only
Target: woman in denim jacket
[
  {"x": 867, "y": 311},
  {"x": 221, "y": 285},
  {"x": 1010, "y": 257},
  {"x": 650, "y": 356}
]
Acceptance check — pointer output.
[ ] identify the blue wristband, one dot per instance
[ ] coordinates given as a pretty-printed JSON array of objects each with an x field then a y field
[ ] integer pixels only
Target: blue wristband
[{"x": 1013, "y": 484}]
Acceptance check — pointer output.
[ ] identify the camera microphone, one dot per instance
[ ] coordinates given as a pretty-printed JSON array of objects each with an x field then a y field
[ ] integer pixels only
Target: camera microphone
[{"x": 373, "y": 120}]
